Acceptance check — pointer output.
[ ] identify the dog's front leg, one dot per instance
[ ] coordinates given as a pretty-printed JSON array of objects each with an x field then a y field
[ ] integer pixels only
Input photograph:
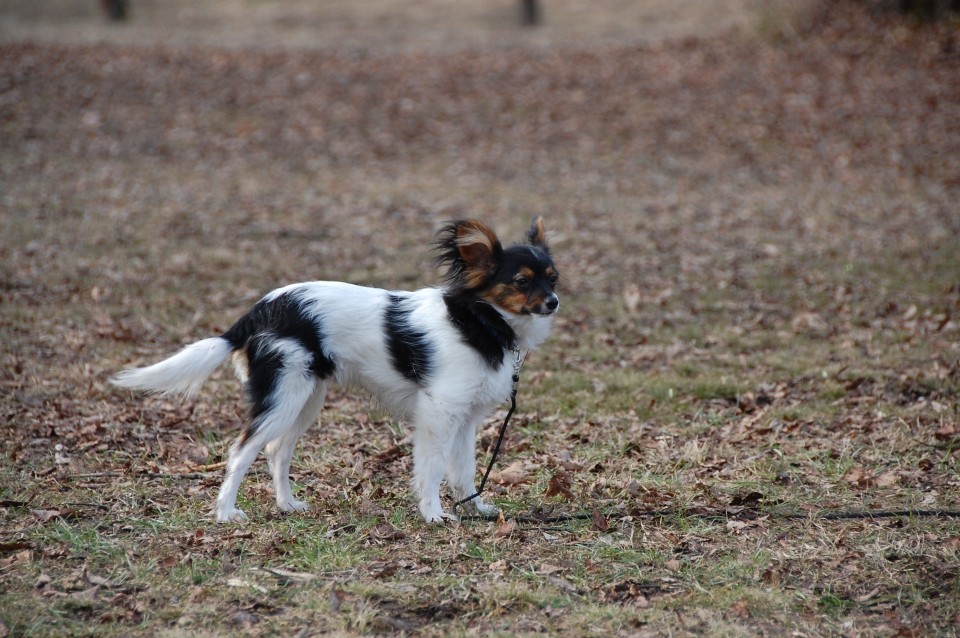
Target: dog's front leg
[
  {"x": 434, "y": 430},
  {"x": 462, "y": 470}
]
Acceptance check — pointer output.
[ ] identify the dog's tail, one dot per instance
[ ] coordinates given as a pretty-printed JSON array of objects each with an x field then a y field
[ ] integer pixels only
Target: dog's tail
[{"x": 183, "y": 373}]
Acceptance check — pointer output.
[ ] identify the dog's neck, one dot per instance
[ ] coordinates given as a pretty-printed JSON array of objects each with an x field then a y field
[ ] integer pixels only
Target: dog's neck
[
  {"x": 531, "y": 330},
  {"x": 492, "y": 331}
]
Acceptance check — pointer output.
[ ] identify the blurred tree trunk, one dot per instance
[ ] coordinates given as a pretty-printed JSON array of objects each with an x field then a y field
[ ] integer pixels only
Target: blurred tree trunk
[
  {"x": 928, "y": 9},
  {"x": 115, "y": 9},
  {"x": 529, "y": 13}
]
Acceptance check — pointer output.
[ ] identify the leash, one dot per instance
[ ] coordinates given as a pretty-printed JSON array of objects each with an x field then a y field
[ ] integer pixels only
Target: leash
[
  {"x": 517, "y": 364},
  {"x": 535, "y": 517}
]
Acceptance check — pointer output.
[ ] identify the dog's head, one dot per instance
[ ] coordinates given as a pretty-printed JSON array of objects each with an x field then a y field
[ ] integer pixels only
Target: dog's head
[{"x": 520, "y": 279}]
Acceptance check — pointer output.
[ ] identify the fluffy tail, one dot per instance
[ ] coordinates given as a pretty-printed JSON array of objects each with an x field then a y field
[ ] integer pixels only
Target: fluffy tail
[{"x": 183, "y": 373}]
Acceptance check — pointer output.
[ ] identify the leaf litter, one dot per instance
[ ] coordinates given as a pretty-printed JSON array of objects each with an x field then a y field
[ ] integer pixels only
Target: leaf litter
[{"x": 758, "y": 247}]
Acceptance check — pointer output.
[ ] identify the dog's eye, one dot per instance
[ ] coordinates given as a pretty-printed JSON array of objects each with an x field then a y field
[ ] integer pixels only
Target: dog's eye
[
  {"x": 553, "y": 280},
  {"x": 522, "y": 283}
]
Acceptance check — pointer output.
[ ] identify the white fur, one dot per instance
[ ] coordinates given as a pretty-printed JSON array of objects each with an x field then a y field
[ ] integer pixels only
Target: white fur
[
  {"x": 183, "y": 373},
  {"x": 460, "y": 392}
]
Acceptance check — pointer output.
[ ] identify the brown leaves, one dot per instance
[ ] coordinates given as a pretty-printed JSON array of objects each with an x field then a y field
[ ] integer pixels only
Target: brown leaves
[
  {"x": 636, "y": 593},
  {"x": 505, "y": 527},
  {"x": 600, "y": 522},
  {"x": 751, "y": 330},
  {"x": 862, "y": 478},
  {"x": 559, "y": 485},
  {"x": 517, "y": 473},
  {"x": 16, "y": 559}
]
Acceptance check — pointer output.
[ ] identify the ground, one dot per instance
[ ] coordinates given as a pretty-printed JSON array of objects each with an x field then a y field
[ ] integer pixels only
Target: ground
[{"x": 754, "y": 213}]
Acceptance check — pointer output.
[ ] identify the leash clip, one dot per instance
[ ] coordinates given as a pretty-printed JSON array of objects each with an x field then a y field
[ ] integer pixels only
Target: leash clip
[{"x": 518, "y": 360}]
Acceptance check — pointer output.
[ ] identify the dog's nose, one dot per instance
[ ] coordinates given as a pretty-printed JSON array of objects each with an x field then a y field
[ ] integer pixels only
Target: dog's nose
[{"x": 552, "y": 303}]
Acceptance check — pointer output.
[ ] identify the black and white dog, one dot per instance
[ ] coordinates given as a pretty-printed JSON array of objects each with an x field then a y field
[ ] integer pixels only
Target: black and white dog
[{"x": 440, "y": 357}]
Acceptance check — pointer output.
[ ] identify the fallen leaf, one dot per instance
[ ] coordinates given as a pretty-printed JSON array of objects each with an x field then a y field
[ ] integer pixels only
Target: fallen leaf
[
  {"x": 286, "y": 577},
  {"x": 562, "y": 583},
  {"x": 45, "y": 515},
  {"x": 505, "y": 527},
  {"x": 873, "y": 592},
  {"x": 599, "y": 521},
  {"x": 95, "y": 579},
  {"x": 559, "y": 485},
  {"x": 87, "y": 594},
  {"x": 887, "y": 479},
  {"x": 857, "y": 476},
  {"x": 387, "y": 532},
  {"x": 736, "y": 526},
  {"x": 513, "y": 474},
  {"x": 168, "y": 562},
  {"x": 20, "y": 558},
  {"x": 740, "y": 609},
  {"x": 748, "y": 499}
]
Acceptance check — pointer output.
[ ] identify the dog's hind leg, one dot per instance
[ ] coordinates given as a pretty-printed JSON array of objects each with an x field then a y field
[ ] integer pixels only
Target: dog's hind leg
[
  {"x": 279, "y": 451},
  {"x": 279, "y": 386}
]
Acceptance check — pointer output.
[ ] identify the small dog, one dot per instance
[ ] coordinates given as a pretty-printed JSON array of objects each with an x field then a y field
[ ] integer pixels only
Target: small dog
[{"x": 441, "y": 358}]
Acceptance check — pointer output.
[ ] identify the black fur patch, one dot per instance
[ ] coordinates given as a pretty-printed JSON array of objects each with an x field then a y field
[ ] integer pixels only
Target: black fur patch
[
  {"x": 481, "y": 327},
  {"x": 283, "y": 318},
  {"x": 411, "y": 352},
  {"x": 265, "y": 365},
  {"x": 256, "y": 333}
]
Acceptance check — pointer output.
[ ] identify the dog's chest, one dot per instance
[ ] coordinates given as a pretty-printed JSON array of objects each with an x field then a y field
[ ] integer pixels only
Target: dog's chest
[{"x": 495, "y": 386}]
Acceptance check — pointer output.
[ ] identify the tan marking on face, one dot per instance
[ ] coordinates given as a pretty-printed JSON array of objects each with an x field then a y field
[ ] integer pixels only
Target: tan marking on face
[
  {"x": 507, "y": 297},
  {"x": 527, "y": 273}
]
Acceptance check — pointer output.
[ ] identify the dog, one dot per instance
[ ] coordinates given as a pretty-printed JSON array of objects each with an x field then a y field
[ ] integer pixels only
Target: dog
[{"x": 441, "y": 358}]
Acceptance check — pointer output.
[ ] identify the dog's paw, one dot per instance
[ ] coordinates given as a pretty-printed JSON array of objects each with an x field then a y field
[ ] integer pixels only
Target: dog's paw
[
  {"x": 232, "y": 515},
  {"x": 484, "y": 508},
  {"x": 441, "y": 517},
  {"x": 292, "y": 506},
  {"x": 436, "y": 515}
]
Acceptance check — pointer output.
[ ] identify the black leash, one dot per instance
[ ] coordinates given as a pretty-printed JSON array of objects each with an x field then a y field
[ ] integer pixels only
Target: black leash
[
  {"x": 535, "y": 518},
  {"x": 744, "y": 515},
  {"x": 540, "y": 518}
]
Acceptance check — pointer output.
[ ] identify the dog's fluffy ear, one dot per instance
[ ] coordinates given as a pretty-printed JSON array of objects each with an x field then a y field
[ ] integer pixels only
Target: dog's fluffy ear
[
  {"x": 470, "y": 250},
  {"x": 537, "y": 234}
]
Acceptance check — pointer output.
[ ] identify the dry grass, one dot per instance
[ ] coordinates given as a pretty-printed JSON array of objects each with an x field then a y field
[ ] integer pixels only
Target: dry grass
[{"x": 758, "y": 239}]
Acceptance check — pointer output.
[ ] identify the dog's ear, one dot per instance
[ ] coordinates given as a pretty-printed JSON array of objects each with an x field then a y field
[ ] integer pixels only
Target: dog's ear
[
  {"x": 537, "y": 234},
  {"x": 470, "y": 250}
]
